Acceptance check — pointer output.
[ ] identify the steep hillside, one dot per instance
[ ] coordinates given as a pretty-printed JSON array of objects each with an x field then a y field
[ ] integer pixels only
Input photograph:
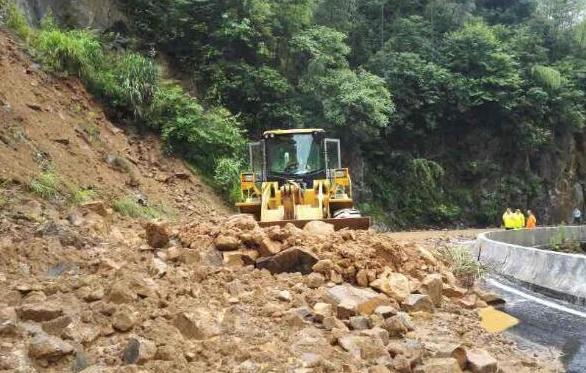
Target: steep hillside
[{"x": 52, "y": 124}]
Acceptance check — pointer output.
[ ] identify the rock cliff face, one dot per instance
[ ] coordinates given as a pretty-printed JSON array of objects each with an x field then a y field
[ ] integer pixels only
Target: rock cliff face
[{"x": 95, "y": 14}]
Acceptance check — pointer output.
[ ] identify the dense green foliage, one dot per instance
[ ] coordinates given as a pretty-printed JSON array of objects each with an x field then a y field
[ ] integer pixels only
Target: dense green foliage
[
  {"x": 480, "y": 88},
  {"x": 448, "y": 109}
]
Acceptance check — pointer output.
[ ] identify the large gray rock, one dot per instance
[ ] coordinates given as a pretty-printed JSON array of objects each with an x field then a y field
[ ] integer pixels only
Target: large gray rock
[
  {"x": 294, "y": 259},
  {"x": 351, "y": 301},
  {"x": 93, "y": 14}
]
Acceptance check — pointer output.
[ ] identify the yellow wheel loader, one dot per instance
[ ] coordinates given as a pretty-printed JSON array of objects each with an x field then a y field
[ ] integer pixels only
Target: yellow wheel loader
[{"x": 296, "y": 177}]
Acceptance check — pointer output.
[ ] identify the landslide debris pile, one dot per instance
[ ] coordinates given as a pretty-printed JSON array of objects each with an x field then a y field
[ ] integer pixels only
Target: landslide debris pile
[{"x": 228, "y": 296}]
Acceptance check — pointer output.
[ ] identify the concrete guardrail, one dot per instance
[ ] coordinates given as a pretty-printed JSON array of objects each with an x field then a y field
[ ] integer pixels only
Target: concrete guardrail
[{"x": 515, "y": 255}]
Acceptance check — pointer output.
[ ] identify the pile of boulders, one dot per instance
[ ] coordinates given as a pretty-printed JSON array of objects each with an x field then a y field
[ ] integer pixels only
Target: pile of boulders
[{"x": 371, "y": 286}]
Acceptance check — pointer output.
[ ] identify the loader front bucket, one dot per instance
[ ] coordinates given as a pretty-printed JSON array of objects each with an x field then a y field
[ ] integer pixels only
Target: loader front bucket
[{"x": 361, "y": 223}]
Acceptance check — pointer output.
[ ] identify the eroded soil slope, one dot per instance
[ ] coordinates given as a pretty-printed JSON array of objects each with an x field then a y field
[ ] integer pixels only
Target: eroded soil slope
[{"x": 52, "y": 123}]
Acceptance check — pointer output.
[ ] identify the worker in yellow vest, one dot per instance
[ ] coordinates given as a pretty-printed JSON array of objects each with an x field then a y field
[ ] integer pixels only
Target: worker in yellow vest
[
  {"x": 508, "y": 219},
  {"x": 519, "y": 219}
]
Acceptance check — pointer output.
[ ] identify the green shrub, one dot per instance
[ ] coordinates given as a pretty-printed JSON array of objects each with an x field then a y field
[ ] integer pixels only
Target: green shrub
[
  {"x": 129, "y": 206},
  {"x": 45, "y": 185},
  {"x": 227, "y": 177},
  {"x": 137, "y": 77},
  {"x": 75, "y": 52},
  {"x": 201, "y": 136}
]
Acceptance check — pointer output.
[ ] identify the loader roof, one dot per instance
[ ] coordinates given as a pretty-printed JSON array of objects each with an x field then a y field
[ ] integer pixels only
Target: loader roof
[{"x": 292, "y": 131}]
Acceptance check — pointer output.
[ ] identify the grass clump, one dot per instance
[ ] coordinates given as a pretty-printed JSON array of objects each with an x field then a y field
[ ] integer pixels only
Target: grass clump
[
  {"x": 462, "y": 264},
  {"x": 130, "y": 206},
  {"x": 45, "y": 185},
  {"x": 83, "y": 195},
  {"x": 15, "y": 20}
]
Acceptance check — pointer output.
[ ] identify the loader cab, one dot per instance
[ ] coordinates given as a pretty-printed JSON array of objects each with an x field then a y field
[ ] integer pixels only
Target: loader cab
[{"x": 302, "y": 155}]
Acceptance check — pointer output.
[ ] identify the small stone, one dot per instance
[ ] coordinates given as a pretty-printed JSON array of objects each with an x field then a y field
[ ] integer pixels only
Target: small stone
[
  {"x": 480, "y": 361},
  {"x": 385, "y": 311},
  {"x": 418, "y": 303},
  {"x": 323, "y": 266},
  {"x": 395, "y": 326},
  {"x": 377, "y": 332},
  {"x": 453, "y": 291},
  {"x": 175, "y": 254},
  {"x": 55, "y": 327},
  {"x": 359, "y": 323},
  {"x": 80, "y": 362},
  {"x": 268, "y": 247},
  {"x": 39, "y": 311},
  {"x": 433, "y": 285},
  {"x": 139, "y": 351},
  {"x": 351, "y": 301},
  {"x": 284, "y": 295},
  {"x": 124, "y": 319},
  {"x": 298, "y": 317},
  {"x": 336, "y": 277},
  {"x": 48, "y": 347},
  {"x": 8, "y": 322},
  {"x": 319, "y": 228},
  {"x": 331, "y": 323},
  {"x": 198, "y": 324},
  {"x": 240, "y": 258},
  {"x": 469, "y": 301},
  {"x": 157, "y": 234},
  {"x": 310, "y": 360},
  {"x": 322, "y": 310},
  {"x": 395, "y": 285},
  {"x": 490, "y": 298},
  {"x": 314, "y": 280},
  {"x": 427, "y": 256},
  {"x": 158, "y": 268},
  {"x": 94, "y": 294},
  {"x": 441, "y": 365},
  {"x": 363, "y": 347},
  {"x": 226, "y": 243},
  {"x": 362, "y": 278},
  {"x": 120, "y": 293}
]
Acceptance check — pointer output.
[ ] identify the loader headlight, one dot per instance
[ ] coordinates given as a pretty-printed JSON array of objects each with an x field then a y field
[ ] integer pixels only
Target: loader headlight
[{"x": 340, "y": 173}]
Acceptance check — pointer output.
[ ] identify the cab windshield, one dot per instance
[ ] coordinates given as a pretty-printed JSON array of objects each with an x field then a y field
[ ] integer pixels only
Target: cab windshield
[{"x": 294, "y": 154}]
